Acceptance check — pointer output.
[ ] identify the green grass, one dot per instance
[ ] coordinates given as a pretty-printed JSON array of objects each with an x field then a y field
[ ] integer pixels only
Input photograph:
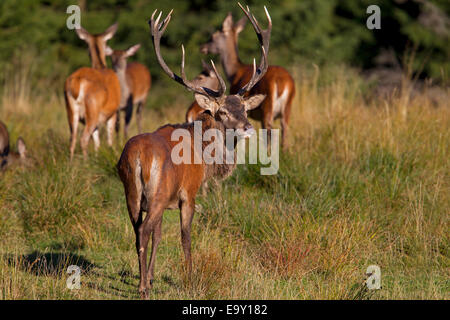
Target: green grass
[{"x": 363, "y": 183}]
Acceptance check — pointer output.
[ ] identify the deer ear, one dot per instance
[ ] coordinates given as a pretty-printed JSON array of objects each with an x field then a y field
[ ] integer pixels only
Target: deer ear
[
  {"x": 207, "y": 103},
  {"x": 108, "y": 51},
  {"x": 21, "y": 148},
  {"x": 253, "y": 101},
  {"x": 82, "y": 33},
  {"x": 240, "y": 25},
  {"x": 227, "y": 24},
  {"x": 132, "y": 50},
  {"x": 109, "y": 33}
]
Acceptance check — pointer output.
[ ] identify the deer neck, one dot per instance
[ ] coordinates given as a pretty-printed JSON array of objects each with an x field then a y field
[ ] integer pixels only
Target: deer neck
[
  {"x": 124, "y": 89},
  {"x": 216, "y": 170},
  {"x": 98, "y": 60},
  {"x": 230, "y": 60}
]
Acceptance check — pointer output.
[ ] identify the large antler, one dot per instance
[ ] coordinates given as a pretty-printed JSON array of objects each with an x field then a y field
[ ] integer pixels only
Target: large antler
[
  {"x": 264, "y": 39},
  {"x": 157, "y": 30}
]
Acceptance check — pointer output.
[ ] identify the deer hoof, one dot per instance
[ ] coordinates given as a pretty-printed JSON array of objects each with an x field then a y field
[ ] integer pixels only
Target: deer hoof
[{"x": 143, "y": 293}]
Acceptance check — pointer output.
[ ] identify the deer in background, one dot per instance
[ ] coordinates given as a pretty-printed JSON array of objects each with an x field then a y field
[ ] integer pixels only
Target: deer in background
[
  {"x": 135, "y": 82},
  {"x": 277, "y": 84},
  {"x": 153, "y": 182},
  {"x": 92, "y": 94},
  {"x": 207, "y": 78},
  {"x": 8, "y": 157}
]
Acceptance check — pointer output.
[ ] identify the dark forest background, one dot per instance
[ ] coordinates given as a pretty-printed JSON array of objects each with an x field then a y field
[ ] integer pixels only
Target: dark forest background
[{"x": 34, "y": 32}]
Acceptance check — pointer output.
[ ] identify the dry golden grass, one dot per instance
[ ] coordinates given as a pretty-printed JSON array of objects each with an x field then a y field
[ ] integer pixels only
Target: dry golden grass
[{"x": 364, "y": 182}]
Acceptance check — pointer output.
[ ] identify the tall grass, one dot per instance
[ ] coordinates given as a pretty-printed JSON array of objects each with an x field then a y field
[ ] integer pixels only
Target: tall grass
[{"x": 364, "y": 182}]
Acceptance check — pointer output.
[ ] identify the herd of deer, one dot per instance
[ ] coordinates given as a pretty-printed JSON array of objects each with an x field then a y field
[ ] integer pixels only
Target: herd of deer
[{"x": 152, "y": 182}]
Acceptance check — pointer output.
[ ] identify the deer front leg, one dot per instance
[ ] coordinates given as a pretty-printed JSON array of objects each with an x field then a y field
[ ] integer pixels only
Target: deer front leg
[{"x": 186, "y": 215}]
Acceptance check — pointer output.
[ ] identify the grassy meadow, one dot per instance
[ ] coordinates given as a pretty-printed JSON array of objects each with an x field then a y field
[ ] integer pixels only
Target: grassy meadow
[{"x": 364, "y": 182}]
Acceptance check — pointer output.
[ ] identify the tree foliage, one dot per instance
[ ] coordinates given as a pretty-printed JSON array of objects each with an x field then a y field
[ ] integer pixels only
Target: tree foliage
[{"x": 321, "y": 32}]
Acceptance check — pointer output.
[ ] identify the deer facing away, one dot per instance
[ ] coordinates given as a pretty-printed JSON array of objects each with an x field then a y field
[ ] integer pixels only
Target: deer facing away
[
  {"x": 135, "y": 82},
  {"x": 277, "y": 84},
  {"x": 92, "y": 94},
  {"x": 7, "y": 156},
  {"x": 153, "y": 182}
]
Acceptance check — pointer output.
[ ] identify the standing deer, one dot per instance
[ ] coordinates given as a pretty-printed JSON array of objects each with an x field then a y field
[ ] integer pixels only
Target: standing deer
[
  {"x": 277, "y": 84},
  {"x": 135, "y": 82},
  {"x": 8, "y": 157},
  {"x": 207, "y": 78},
  {"x": 153, "y": 182},
  {"x": 92, "y": 94}
]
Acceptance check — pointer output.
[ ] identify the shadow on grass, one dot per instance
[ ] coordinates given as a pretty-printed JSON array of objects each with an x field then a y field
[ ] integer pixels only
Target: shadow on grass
[{"x": 52, "y": 263}]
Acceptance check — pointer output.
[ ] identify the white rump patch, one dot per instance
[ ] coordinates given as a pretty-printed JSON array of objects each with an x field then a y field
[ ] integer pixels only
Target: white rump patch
[{"x": 279, "y": 102}]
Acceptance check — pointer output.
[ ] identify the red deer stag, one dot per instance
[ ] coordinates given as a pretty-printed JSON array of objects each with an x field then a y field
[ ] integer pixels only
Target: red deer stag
[
  {"x": 8, "y": 157},
  {"x": 277, "y": 84},
  {"x": 153, "y": 182},
  {"x": 92, "y": 94},
  {"x": 135, "y": 82},
  {"x": 207, "y": 78}
]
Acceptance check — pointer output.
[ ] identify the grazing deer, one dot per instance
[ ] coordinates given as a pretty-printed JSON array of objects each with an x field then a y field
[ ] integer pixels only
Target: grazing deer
[
  {"x": 277, "y": 84},
  {"x": 135, "y": 82},
  {"x": 207, "y": 78},
  {"x": 92, "y": 94},
  {"x": 153, "y": 182},
  {"x": 8, "y": 157}
]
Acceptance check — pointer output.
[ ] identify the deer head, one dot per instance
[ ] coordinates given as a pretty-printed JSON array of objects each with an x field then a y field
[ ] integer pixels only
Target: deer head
[
  {"x": 225, "y": 40},
  {"x": 206, "y": 78},
  {"x": 97, "y": 44},
  {"x": 230, "y": 110},
  {"x": 119, "y": 57},
  {"x": 7, "y": 156}
]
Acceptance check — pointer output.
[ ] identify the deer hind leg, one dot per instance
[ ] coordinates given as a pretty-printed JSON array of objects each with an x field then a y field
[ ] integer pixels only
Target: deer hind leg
[
  {"x": 87, "y": 132},
  {"x": 74, "y": 132},
  {"x": 156, "y": 238},
  {"x": 151, "y": 223},
  {"x": 186, "y": 215},
  {"x": 285, "y": 115},
  {"x": 133, "y": 192},
  {"x": 110, "y": 124},
  {"x": 73, "y": 117},
  {"x": 267, "y": 120},
  {"x": 117, "y": 127},
  {"x": 96, "y": 138}
]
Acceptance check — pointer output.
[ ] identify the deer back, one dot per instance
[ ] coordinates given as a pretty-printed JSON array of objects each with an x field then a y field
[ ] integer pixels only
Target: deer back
[{"x": 139, "y": 80}]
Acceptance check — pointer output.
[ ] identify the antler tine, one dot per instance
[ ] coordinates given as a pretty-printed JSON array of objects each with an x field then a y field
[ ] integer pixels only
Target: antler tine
[
  {"x": 157, "y": 30},
  {"x": 264, "y": 39},
  {"x": 223, "y": 86}
]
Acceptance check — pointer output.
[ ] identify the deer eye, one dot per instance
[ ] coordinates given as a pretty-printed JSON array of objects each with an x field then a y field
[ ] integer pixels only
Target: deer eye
[{"x": 222, "y": 113}]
